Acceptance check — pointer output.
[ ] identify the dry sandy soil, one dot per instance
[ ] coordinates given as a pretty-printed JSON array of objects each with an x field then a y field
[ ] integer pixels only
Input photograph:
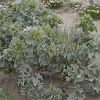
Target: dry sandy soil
[{"x": 10, "y": 86}]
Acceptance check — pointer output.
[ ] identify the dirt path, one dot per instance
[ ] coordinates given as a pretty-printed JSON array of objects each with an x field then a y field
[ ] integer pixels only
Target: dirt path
[
  {"x": 10, "y": 87},
  {"x": 68, "y": 19},
  {"x": 97, "y": 23}
]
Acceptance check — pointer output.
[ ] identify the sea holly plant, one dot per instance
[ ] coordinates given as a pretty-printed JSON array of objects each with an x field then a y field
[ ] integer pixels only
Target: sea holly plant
[
  {"x": 30, "y": 43},
  {"x": 18, "y": 38},
  {"x": 74, "y": 73},
  {"x": 93, "y": 11},
  {"x": 53, "y": 3},
  {"x": 2, "y": 95},
  {"x": 86, "y": 23},
  {"x": 53, "y": 93},
  {"x": 93, "y": 76},
  {"x": 74, "y": 4},
  {"x": 76, "y": 93},
  {"x": 27, "y": 13},
  {"x": 32, "y": 87}
]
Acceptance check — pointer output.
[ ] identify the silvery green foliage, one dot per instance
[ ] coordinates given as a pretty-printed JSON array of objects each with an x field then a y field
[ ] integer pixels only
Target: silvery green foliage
[
  {"x": 76, "y": 93},
  {"x": 53, "y": 3},
  {"x": 74, "y": 4},
  {"x": 74, "y": 73},
  {"x": 53, "y": 93},
  {"x": 32, "y": 87},
  {"x": 94, "y": 76},
  {"x": 28, "y": 42},
  {"x": 19, "y": 16},
  {"x": 86, "y": 23},
  {"x": 2, "y": 95},
  {"x": 93, "y": 11},
  {"x": 23, "y": 34}
]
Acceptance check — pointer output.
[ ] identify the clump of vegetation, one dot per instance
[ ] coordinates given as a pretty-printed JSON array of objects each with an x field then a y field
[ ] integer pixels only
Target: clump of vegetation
[
  {"x": 25, "y": 31},
  {"x": 75, "y": 92},
  {"x": 93, "y": 11},
  {"x": 74, "y": 4},
  {"x": 53, "y": 3},
  {"x": 2, "y": 95},
  {"x": 30, "y": 39},
  {"x": 86, "y": 22},
  {"x": 54, "y": 93}
]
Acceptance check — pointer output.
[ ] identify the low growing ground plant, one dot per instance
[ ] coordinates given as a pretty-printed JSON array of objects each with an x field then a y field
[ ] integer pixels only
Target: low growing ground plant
[
  {"x": 54, "y": 93},
  {"x": 74, "y": 4},
  {"x": 53, "y": 3},
  {"x": 30, "y": 40},
  {"x": 93, "y": 11},
  {"x": 2, "y": 95}
]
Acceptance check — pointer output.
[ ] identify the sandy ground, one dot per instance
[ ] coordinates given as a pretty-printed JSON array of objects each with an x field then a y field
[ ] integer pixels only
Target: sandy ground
[{"x": 11, "y": 88}]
